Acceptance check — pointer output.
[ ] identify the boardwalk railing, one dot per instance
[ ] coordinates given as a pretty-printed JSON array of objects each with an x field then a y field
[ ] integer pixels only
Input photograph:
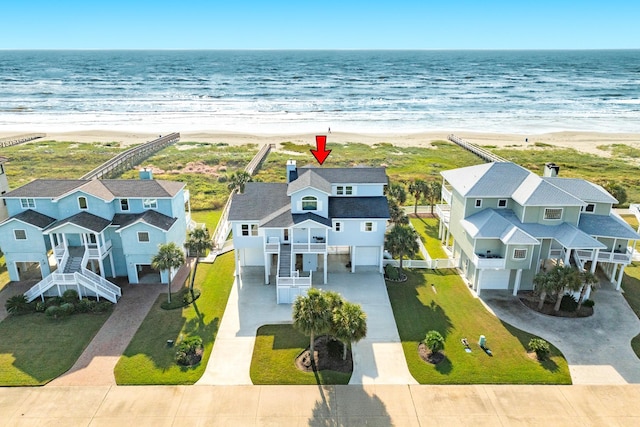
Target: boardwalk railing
[
  {"x": 223, "y": 228},
  {"x": 128, "y": 159},
  {"x": 19, "y": 139},
  {"x": 485, "y": 155}
]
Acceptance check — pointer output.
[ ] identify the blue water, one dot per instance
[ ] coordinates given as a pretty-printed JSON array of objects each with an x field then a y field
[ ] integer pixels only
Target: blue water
[{"x": 291, "y": 91}]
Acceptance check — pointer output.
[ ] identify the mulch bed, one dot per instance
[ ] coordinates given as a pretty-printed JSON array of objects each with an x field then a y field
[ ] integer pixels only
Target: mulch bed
[
  {"x": 530, "y": 300},
  {"x": 193, "y": 358},
  {"x": 328, "y": 356},
  {"x": 428, "y": 356}
]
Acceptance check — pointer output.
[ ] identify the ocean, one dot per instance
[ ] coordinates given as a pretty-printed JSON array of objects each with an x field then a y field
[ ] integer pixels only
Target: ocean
[{"x": 287, "y": 92}]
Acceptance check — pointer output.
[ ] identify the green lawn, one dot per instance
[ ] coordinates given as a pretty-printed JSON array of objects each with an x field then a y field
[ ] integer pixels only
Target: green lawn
[
  {"x": 148, "y": 360},
  {"x": 453, "y": 312},
  {"x": 631, "y": 287},
  {"x": 208, "y": 217},
  {"x": 34, "y": 349},
  {"x": 4, "y": 273},
  {"x": 427, "y": 228},
  {"x": 274, "y": 354}
]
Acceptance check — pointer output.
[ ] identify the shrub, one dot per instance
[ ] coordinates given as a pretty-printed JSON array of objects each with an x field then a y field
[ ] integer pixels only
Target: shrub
[
  {"x": 540, "y": 347},
  {"x": 53, "y": 311},
  {"x": 101, "y": 306},
  {"x": 70, "y": 296},
  {"x": 41, "y": 306},
  {"x": 67, "y": 309},
  {"x": 568, "y": 303},
  {"x": 391, "y": 272},
  {"x": 53, "y": 301},
  {"x": 588, "y": 303},
  {"x": 434, "y": 341},
  {"x": 17, "y": 304},
  {"x": 223, "y": 178},
  {"x": 189, "y": 351}
]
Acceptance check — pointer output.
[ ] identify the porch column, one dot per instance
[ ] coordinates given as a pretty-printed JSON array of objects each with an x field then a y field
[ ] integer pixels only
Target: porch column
[
  {"x": 594, "y": 261},
  {"x": 52, "y": 243},
  {"x": 353, "y": 259},
  {"x": 237, "y": 257},
  {"x": 308, "y": 240},
  {"x": 325, "y": 267},
  {"x": 567, "y": 256},
  {"x": 113, "y": 268},
  {"x": 479, "y": 277},
  {"x": 516, "y": 285},
  {"x": 613, "y": 273},
  {"x": 446, "y": 243},
  {"x": 381, "y": 269},
  {"x": 101, "y": 264},
  {"x": 620, "y": 277},
  {"x": 440, "y": 224},
  {"x": 267, "y": 267}
]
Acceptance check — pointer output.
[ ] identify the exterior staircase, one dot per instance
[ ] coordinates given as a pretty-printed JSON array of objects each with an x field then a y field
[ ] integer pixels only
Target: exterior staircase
[
  {"x": 74, "y": 263},
  {"x": 284, "y": 269}
]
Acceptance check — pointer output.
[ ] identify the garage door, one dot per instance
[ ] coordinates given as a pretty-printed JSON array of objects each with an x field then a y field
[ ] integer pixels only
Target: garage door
[
  {"x": 495, "y": 279},
  {"x": 367, "y": 255}
]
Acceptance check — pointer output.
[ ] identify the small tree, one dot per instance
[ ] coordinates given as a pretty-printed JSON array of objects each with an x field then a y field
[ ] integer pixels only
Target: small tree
[
  {"x": 566, "y": 278},
  {"x": 433, "y": 193},
  {"x": 402, "y": 240},
  {"x": 418, "y": 188},
  {"x": 434, "y": 341},
  {"x": 540, "y": 347},
  {"x": 312, "y": 315},
  {"x": 589, "y": 280},
  {"x": 198, "y": 242},
  {"x": 169, "y": 257},
  {"x": 397, "y": 192},
  {"x": 544, "y": 284},
  {"x": 238, "y": 180},
  {"x": 349, "y": 324}
]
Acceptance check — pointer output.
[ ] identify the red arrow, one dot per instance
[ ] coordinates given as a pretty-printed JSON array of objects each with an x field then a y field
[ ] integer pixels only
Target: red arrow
[{"x": 321, "y": 153}]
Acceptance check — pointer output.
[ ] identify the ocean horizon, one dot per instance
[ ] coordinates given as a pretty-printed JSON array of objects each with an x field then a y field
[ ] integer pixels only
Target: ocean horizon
[{"x": 294, "y": 91}]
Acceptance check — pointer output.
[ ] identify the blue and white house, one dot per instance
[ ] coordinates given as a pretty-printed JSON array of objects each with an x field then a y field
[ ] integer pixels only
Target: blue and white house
[
  {"x": 292, "y": 228},
  {"x": 75, "y": 233}
]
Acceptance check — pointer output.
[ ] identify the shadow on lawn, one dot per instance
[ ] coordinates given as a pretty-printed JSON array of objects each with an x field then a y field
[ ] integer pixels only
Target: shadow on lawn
[{"x": 524, "y": 337}]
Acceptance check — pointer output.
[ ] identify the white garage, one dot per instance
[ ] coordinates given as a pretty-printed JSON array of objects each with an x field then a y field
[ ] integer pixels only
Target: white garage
[
  {"x": 365, "y": 255},
  {"x": 492, "y": 279}
]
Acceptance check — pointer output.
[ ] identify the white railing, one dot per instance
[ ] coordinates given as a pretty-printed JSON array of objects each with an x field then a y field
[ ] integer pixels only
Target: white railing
[
  {"x": 294, "y": 281},
  {"x": 39, "y": 288},
  {"x": 63, "y": 262},
  {"x": 446, "y": 195},
  {"x": 308, "y": 247},
  {"x": 222, "y": 229},
  {"x": 272, "y": 246},
  {"x": 444, "y": 212},
  {"x": 98, "y": 288},
  {"x": 438, "y": 263},
  {"x": 98, "y": 252},
  {"x": 492, "y": 263},
  {"x": 556, "y": 253},
  {"x": 103, "y": 282},
  {"x": 87, "y": 279}
]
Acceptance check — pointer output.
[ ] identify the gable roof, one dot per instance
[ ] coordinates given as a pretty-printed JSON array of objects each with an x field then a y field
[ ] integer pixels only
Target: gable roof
[
  {"x": 534, "y": 191},
  {"x": 582, "y": 189},
  {"x": 83, "y": 220},
  {"x": 150, "y": 217},
  {"x": 33, "y": 218},
  {"x": 497, "y": 179},
  {"x": 606, "y": 226},
  {"x": 259, "y": 201},
  {"x": 487, "y": 224},
  {"x": 309, "y": 178},
  {"x": 354, "y": 175},
  {"x": 106, "y": 189}
]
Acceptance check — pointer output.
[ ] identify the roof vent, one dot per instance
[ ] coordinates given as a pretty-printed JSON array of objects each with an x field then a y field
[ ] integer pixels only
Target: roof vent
[{"x": 551, "y": 169}]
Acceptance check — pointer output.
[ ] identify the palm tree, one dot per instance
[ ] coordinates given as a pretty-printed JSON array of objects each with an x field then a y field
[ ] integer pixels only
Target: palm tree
[
  {"x": 349, "y": 324},
  {"x": 567, "y": 279},
  {"x": 169, "y": 256},
  {"x": 397, "y": 192},
  {"x": 544, "y": 284},
  {"x": 238, "y": 180},
  {"x": 312, "y": 316},
  {"x": 397, "y": 214},
  {"x": 402, "y": 240},
  {"x": 198, "y": 242},
  {"x": 433, "y": 193},
  {"x": 418, "y": 188},
  {"x": 434, "y": 341},
  {"x": 588, "y": 280}
]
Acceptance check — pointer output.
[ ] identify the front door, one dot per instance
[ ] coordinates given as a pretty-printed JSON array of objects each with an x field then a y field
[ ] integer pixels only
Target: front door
[{"x": 285, "y": 235}]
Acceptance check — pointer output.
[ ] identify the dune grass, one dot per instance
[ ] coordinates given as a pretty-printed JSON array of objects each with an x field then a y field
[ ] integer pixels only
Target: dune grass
[
  {"x": 274, "y": 355},
  {"x": 427, "y": 228},
  {"x": 452, "y": 311},
  {"x": 148, "y": 359},
  {"x": 34, "y": 349}
]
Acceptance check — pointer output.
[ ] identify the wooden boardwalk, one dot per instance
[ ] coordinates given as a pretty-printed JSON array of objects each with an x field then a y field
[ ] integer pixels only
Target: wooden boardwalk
[
  {"x": 128, "y": 159},
  {"x": 19, "y": 139},
  {"x": 485, "y": 155}
]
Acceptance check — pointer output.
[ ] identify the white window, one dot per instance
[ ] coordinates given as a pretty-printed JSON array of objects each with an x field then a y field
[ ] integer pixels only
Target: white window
[
  {"x": 124, "y": 204},
  {"x": 309, "y": 203},
  {"x": 348, "y": 190},
  {"x": 150, "y": 203},
  {"x": 82, "y": 202},
  {"x": 553, "y": 213},
  {"x": 502, "y": 203},
  {"x": 340, "y": 190},
  {"x": 590, "y": 207},
  {"x": 249, "y": 229},
  {"x": 337, "y": 227},
  {"x": 368, "y": 226},
  {"x": 143, "y": 236},
  {"x": 478, "y": 203},
  {"x": 20, "y": 234},
  {"x": 519, "y": 253},
  {"x": 343, "y": 190},
  {"x": 28, "y": 203}
]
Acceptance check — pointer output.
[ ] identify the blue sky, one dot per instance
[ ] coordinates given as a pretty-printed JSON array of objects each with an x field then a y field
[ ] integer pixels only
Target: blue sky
[{"x": 345, "y": 24}]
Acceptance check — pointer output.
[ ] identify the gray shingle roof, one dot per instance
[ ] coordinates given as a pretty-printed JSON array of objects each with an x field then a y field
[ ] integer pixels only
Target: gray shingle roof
[
  {"x": 534, "y": 191},
  {"x": 582, "y": 189},
  {"x": 34, "y": 218},
  {"x": 487, "y": 224},
  {"x": 105, "y": 189},
  {"x": 309, "y": 178},
  {"x": 355, "y": 175},
  {"x": 152, "y": 218},
  {"x": 499, "y": 179},
  {"x": 359, "y": 207},
  {"x": 259, "y": 201},
  {"x": 84, "y": 220},
  {"x": 606, "y": 226}
]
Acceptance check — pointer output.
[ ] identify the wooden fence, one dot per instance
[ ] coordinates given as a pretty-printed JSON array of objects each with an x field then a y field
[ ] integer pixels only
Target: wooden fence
[
  {"x": 128, "y": 159},
  {"x": 19, "y": 139}
]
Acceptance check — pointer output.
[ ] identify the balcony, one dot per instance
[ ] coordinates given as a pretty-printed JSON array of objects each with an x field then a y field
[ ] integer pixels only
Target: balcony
[
  {"x": 94, "y": 251},
  {"x": 483, "y": 261},
  {"x": 272, "y": 246},
  {"x": 301, "y": 248},
  {"x": 617, "y": 257},
  {"x": 444, "y": 213},
  {"x": 555, "y": 253},
  {"x": 446, "y": 195}
]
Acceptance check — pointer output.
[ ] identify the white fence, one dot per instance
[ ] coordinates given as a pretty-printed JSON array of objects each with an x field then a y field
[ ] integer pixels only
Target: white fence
[{"x": 420, "y": 263}]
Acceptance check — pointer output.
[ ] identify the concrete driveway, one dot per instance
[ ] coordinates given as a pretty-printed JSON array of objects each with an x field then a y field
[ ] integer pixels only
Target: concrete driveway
[
  {"x": 378, "y": 359},
  {"x": 597, "y": 348}
]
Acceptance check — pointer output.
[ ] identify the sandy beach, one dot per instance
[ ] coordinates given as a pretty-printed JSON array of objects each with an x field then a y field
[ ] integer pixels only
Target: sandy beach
[{"x": 581, "y": 141}]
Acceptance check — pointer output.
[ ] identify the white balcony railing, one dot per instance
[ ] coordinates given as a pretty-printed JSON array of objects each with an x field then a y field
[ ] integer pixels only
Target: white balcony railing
[
  {"x": 446, "y": 195},
  {"x": 309, "y": 247},
  {"x": 556, "y": 253},
  {"x": 444, "y": 212},
  {"x": 481, "y": 261},
  {"x": 606, "y": 256}
]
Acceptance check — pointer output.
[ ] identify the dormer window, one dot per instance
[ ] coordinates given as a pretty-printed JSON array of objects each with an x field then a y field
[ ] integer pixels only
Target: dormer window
[
  {"x": 502, "y": 203},
  {"x": 478, "y": 203},
  {"x": 309, "y": 203},
  {"x": 589, "y": 208},
  {"x": 552, "y": 213},
  {"x": 344, "y": 190},
  {"x": 82, "y": 203},
  {"x": 150, "y": 204},
  {"x": 28, "y": 203}
]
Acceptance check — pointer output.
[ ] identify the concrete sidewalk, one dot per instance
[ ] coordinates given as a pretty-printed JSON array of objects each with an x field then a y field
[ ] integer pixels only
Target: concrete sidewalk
[
  {"x": 378, "y": 359},
  {"x": 597, "y": 348},
  {"x": 378, "y": 405}
]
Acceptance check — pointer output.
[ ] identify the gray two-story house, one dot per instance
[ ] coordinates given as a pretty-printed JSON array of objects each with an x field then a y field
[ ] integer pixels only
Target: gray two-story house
[
  {"x": 291, "y": 228},
  {"x": 502, "y": 224}
]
